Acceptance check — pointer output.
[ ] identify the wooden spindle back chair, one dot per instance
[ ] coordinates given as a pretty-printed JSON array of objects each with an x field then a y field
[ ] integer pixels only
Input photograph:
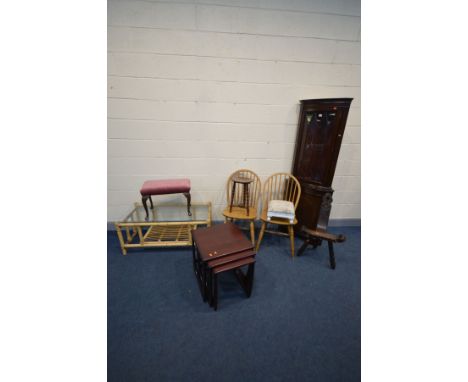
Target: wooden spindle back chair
[
  {"x": 279, "y": 186},
  {"x": 239, "y": 212}
]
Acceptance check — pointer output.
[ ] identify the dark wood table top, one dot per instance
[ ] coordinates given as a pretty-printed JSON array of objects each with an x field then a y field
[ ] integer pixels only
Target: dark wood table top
[
  {"x": 220, "y": 240},
  {"x": 324, "y": 235},
  {"x": 230, "y": 258},
  {"x": 233, "y": 265}
]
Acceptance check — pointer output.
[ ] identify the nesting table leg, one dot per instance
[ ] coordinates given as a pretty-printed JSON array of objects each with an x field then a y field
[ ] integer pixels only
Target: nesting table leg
[
  {"x": 215, "y": 291},
  {"x": 189, "y": 198},
  {"x": 213, "y": 286},
  {"x": 193, "y": 254},
  {"x": 208, "y": 264},
  {"x": 197, "y": 270},
  {"x": 250, "y": 277}
]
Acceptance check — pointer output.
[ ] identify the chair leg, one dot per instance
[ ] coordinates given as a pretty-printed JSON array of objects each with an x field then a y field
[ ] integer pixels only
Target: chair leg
[
  {"x": 260, "y": 235},
  {"x": 210, "y": 288},
  {"x": 332, "y": 255},
  {"x": 232, "y": 195},
  {"x": 303, "y": 247},
  {"x": 252, "y": 232},
  {"x": 291, "y": 238}
]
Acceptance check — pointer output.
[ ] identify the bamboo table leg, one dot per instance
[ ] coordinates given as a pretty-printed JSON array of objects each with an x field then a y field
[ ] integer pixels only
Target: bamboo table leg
[{"x": 121, "y": 240}]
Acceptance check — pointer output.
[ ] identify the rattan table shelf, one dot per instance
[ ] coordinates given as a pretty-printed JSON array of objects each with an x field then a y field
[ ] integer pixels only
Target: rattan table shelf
[{"x": 168, "y": 226}]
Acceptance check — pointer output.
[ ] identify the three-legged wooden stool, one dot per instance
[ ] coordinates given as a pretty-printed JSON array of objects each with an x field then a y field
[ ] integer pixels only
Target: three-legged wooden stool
[
  {"x": 315, "y": 237},
  {"x": 245, "y": 183}
]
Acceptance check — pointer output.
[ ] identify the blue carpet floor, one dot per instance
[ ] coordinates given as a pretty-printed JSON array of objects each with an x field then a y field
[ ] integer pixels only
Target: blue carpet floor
[{"x": 302, "y": 322}]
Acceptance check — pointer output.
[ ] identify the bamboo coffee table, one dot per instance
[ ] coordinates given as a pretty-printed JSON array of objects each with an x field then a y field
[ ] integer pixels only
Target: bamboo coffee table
[{"x": 168, "y": 226}]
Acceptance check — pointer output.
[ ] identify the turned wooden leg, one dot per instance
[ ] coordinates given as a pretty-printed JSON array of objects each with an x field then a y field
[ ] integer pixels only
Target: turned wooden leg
[
  {"x": 252, "y": 232},
  {"x": 303, "y": 247},
  {"x": 151, "y": 201},
  {"x": 260, "y": 235},
  {"x": 332, "y": 255},
  {"x": 232, "y": 195},
  {"x": 188, "y": 197},
  {"x": 291, "y": 238}
]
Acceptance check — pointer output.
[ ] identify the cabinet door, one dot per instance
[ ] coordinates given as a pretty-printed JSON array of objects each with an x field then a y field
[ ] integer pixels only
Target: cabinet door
[
  {"x": 320, "y": 141},
  {"x": 308, "y": 210}
]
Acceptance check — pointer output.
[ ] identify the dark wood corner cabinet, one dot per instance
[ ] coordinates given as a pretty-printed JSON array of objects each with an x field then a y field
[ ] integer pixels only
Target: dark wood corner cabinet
[{"x": 319, "y": 135}]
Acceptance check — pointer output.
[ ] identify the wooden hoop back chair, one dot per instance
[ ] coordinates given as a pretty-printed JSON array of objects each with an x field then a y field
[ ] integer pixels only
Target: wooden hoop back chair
[
  {"x": 279, "y": 186},
  {"x": 239, "y": 211}
]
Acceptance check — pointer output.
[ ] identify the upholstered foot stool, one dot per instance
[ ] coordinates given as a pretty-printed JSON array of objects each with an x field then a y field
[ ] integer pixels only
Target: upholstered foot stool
[{"x": 165, "y": 187}]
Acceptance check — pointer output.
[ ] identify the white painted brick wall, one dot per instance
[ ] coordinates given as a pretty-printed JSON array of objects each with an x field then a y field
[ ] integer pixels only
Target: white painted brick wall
[{"x": 200, "y": 88}]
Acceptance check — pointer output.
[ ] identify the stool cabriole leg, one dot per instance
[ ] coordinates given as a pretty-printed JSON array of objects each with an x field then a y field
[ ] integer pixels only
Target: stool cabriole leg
[
  {"x": 144, "y": 199},
  {"x": 189, "y": 198}
]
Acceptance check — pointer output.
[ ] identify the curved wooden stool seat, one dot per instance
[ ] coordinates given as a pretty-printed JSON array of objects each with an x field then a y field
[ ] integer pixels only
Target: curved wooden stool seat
[{"x": 315, "y": 237}]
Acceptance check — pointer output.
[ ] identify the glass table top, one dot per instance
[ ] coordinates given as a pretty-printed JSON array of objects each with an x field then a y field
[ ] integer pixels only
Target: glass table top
[{"x": 169, "y": 213}]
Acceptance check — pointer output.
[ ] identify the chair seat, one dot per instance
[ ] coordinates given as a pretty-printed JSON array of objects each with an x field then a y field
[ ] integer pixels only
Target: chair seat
[
  {"x": 280, "y": 221},
  {"x": 166, "y": 186},
  {"x": 241, "y": 213}
]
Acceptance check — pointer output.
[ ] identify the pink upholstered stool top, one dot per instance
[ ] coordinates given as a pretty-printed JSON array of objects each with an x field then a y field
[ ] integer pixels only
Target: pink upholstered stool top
[{"x": 166, "y": 186}]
